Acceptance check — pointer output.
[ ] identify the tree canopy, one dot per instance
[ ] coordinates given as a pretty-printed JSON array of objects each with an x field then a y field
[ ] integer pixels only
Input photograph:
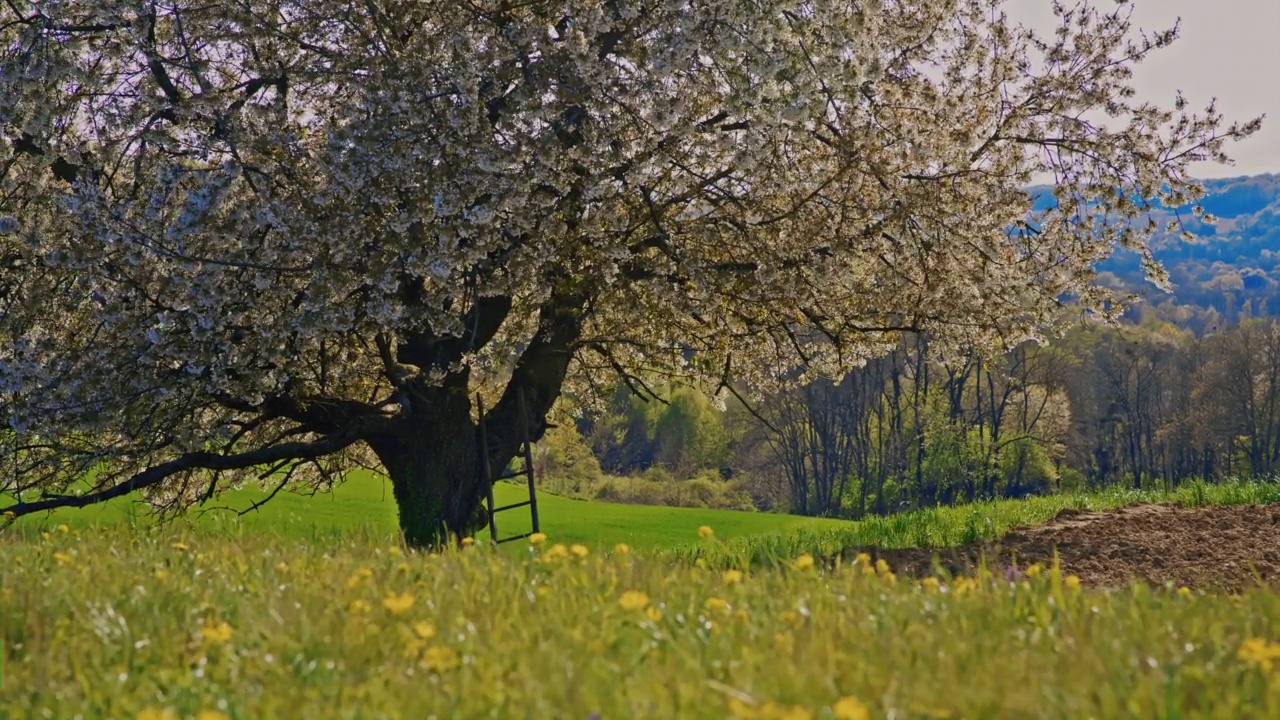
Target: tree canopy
[{"x": 291, "y": 235}]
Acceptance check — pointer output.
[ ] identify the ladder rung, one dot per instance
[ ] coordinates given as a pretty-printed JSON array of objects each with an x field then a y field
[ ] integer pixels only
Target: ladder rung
[
  {"x": 512, "y": 506},
  {"x": 514, "y": 537}
]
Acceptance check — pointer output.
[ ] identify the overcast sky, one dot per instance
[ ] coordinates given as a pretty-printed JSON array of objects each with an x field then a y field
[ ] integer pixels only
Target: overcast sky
[{"x": 1229, "y": 49}]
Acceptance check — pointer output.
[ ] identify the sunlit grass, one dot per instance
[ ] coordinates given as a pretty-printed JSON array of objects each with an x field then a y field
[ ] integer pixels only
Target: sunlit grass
[{"x": 105, "y": 623}]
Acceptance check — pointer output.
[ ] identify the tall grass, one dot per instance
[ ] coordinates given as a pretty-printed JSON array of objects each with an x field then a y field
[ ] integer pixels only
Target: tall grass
[{"x": 107, "y": 624}]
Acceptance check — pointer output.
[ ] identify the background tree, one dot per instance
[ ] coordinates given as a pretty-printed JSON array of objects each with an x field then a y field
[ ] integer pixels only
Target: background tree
[{"x": 300, "y": 235}]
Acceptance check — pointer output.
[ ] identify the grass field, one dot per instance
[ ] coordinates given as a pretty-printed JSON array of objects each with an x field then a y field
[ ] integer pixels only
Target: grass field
[
  {"x": 363, "y": 507},
  {"x": 308, "y": 609},
  {"x": 104, "y": 623}
]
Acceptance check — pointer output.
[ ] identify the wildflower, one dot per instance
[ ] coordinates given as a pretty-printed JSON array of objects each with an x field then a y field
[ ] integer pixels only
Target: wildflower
[
  {"x": 1034, "y": 570},
  {"x": 537, "y": 538},
  {"x": 215, "y": 633},
  {"x": 732, "y": 577},
  {"x": 882, "y": 567},
  {"x": 652, "y": 614},
  {"x": 1072, "y": 582},
  {"x": 62, "y": 558},
  {"x": 468, "y": 541},
  {"x": 441, "y": 659},
  {"x": 358, "y": 607},
  {"x": 706, "y": 532},
  {"x": 212, "y": 715},
  {"x": 622, "y": 549},
  {"x": 398, "y": 604},
  {"x": 358, "y": 577},
  {"x": 633, "y": 600},
  {"x": 930, "y": 584},
  {"x": 804, "y": 562},
  {"x": 157, "y": 714},
  {"x": 424, "y": 630},
  {"x": 580, "y": 550},
  {"x": 850, "y": 708},
  {"x": 863, "y": 559},
  {"x": 395, "y": 551},
  {"x": 63, "y": 528},
  {"x": 1260, "y": 652},
  {"x": 1184, "y": 591},
  {"x": 715, "y": 604},
  {"x": 556, "y": 552},
  {"x": 161, "y": 574},
  {"x": 180, "y": 546}
]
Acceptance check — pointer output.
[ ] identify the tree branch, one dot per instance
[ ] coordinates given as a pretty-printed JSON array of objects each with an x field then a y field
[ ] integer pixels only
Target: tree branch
[{"x": 196, "y": 461}]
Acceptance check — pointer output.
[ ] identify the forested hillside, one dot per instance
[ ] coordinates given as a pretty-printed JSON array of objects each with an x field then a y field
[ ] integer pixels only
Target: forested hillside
[{"x": 1230, "y": 270}]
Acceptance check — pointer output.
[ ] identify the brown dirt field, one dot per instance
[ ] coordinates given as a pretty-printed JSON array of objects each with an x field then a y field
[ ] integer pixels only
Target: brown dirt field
[{"x": 1226, "y": 548}]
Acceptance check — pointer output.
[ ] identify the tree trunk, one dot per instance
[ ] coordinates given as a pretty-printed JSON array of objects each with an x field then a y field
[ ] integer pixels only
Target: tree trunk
[{"x": 433, "y": 463}]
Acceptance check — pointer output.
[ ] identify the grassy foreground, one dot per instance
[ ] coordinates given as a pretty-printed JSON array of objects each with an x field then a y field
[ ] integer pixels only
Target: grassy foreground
[{"x": 104, "y": 623}]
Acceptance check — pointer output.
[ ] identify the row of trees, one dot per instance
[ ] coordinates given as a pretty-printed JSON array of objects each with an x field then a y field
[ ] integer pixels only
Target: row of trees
[
  {"x": 1133, "y": 406},
  {"x": 1105, "y": 406}
]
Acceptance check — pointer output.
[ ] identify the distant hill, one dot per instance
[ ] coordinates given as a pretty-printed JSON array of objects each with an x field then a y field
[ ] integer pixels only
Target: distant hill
[{"x": 1231, "y": 270}]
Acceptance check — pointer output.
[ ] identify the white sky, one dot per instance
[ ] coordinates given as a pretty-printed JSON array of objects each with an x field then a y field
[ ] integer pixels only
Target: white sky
[{"x": 1229, "y": 49}]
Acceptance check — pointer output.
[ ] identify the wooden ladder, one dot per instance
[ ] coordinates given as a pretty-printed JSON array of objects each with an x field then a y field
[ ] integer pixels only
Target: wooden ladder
[{"x": 526, "y": 455}]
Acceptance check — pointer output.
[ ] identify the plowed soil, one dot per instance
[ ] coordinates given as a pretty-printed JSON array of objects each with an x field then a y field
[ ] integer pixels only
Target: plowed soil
[{"x": 1225, "y": 548}]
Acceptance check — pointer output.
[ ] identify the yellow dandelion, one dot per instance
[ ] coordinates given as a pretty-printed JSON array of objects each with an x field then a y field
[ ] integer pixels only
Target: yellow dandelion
[
  {"x": 424, "y": 630},
  {"x": 1184, "y": 591},
  {"x": 882, "y": 567},
  {"x": 180, "y": 546},
  {"x": 652, "y": 614},
  {"x": 1034, "y": 570},
  {"x": 804, "y": 562},
  {"x": 715, "y": 604},
  {"x": 215, "y": 633},
  {"x": 930, "y": 584},
  {"x": 555, "y": 552},
  {"x": 62, "y": 558},
  {"x": 850, "y": 708},
  {"x": 398, "y": 603},
  {"x": 63, "y": 529},
  {"x": 622, "y": 549},
  {"x": 212, "y": 715},
  {"x": 706, "y": 532},
  {"x": 468, "y": 541},
  {"x": 863, "y": 559},
  {"x": 537, "y": 538},
  {"x": 441, "y": 659},
  {"x": 1260, "y": 652},
  {"x": 358, "y": 607},
  {"x": 632, "y": 600},
  {"x": 580, "y": 550},
  {"x": 1072, "y": 582},
  {"x": 732, "y": 577},
  {"x": 157, "y": 714}
]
